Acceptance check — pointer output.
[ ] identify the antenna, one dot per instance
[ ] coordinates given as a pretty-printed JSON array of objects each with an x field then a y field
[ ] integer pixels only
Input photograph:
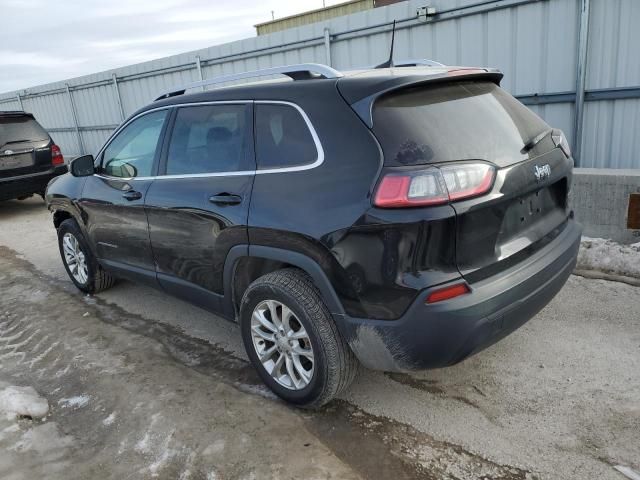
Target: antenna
[{"x": 389, "y": 63}]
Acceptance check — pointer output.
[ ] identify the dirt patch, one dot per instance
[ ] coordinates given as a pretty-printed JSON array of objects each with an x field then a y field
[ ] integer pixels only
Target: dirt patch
[
  {"x": 358, "y": 437},
  {"x": 430, "y": 386}
]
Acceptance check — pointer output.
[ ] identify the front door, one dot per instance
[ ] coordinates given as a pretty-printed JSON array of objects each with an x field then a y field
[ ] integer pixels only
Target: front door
[
  {"x": 199, "y": 203},
  {"x": 113, "y": 199}
]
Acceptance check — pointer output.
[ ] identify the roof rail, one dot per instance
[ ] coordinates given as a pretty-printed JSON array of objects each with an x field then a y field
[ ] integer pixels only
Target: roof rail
[{"x": 300, "y": 71}]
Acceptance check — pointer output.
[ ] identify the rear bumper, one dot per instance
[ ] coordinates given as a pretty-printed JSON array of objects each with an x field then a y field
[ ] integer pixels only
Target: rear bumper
[
  {"x": 445, "y": 333},
  {"x": 23, "y": 185}
]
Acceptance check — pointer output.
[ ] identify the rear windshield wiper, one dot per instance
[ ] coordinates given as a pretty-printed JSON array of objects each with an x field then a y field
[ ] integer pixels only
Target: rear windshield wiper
[{"x": 535, "y": 140}]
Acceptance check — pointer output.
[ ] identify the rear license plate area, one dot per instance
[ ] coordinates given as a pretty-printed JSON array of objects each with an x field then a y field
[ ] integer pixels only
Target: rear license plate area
[
  {"x": 11, "y": 162},
  {"x": 533, "y": 207}
]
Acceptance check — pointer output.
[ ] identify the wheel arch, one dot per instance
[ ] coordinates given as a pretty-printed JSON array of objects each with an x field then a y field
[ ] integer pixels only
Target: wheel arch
[
  {"x": 265, "y": 259},
  {"x": 66, "y": 211},
  {"x": 60, "y": 215}
]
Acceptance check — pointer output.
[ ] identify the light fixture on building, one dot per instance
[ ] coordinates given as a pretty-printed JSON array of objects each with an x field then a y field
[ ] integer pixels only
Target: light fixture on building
[{"x": 426, "y": 12}]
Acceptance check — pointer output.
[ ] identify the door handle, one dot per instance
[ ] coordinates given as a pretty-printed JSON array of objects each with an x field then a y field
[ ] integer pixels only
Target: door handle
[
  {"x": 225, "y": 199},
  {"x": 132, "y": 195}
]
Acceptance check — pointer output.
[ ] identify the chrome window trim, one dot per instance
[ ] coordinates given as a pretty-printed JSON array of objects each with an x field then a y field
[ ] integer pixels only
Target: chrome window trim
[{"x": 297, "y": 168}]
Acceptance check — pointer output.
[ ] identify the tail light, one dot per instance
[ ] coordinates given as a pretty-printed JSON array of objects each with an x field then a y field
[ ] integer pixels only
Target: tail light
[
  {"x": 56, "y": 155},
  {"x": 434, "y": 185},
  {"x": 560, "y": 140}
]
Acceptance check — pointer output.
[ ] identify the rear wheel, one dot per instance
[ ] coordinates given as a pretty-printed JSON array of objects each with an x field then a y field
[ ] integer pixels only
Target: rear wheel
[
  {"x": 80, "y": 264},
  {"x": 292, "y": 340}
]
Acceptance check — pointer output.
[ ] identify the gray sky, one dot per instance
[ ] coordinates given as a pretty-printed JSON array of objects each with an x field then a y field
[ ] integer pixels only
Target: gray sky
[{"x": 42, "y": 41}]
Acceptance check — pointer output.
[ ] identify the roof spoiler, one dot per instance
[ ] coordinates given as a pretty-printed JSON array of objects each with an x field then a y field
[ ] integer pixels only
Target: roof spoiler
[{"x": 364, "y": 106}]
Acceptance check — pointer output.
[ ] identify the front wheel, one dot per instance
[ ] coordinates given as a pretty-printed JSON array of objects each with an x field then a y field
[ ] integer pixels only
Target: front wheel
[
  {"x": 292, "y": 340},
  {"x": 80, "y": 264}
]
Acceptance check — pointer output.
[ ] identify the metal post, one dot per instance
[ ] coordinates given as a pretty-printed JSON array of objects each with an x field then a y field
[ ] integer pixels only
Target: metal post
[
  {"x": 581, "y": 78},
  {"x": 327, "y": 45},
  {"x": 199, "y": 67},
  {"x": 75, "y": 120},
  {"x": 19, "y": 101},
  {"x": 118, "y": 99}
]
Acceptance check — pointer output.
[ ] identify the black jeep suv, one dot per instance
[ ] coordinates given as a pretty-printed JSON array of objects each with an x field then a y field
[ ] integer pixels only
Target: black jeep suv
[
  {"x": 404, "y": 218},
  {"x": 28, "y": 156}
]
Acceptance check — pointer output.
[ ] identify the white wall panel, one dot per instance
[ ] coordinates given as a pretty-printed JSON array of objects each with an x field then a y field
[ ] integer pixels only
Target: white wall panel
[{"x": 9, "y": 104}]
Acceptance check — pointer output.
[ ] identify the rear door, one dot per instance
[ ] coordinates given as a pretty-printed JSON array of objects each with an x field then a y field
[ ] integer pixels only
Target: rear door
[
  {"x": 113, "y": 199},
  {"x": 198, "y": 205},
  {"x": 25, "y": 147}
]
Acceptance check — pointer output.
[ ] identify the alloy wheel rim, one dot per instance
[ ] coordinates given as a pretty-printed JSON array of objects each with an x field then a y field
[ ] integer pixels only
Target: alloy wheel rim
[
  {"x": 75, "y": 258},
  {"x": 282, "y": 344}
]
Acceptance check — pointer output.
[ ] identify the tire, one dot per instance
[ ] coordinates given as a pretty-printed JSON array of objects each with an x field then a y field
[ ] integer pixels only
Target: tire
[
  {"x": 334, "y": 365},
  {"x": 96, "y": 279}
]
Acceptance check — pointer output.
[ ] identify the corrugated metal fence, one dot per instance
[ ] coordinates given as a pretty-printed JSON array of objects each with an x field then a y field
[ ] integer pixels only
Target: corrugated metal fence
[{"x": 559, "y": 57}]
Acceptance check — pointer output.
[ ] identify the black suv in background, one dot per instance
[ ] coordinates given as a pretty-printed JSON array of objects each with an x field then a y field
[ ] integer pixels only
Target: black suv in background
[
  {"x": 28, "y": 156},
  {"x": 404, "y": 218}
]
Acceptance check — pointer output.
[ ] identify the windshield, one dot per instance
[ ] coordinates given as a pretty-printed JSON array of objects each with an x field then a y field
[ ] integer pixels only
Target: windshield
[
  {"x": 459, "y": 121},
  {"x": 20, "y": 128}
]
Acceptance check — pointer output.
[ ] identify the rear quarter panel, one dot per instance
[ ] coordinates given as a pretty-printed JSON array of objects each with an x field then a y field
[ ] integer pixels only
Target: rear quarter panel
[{"x": 309, "y": 211}]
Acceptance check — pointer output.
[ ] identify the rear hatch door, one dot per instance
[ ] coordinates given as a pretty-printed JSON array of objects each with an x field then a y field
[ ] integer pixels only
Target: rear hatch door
[
  {"x": 470, "y": 121},
  {"x": 25, "y": 147}
]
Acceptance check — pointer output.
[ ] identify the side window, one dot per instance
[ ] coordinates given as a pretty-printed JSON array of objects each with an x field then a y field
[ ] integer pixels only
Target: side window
[
  {"x": 283, "y": 138},
  {"x": 209, "y": 139},
  {"x": 131, "y": 153}
]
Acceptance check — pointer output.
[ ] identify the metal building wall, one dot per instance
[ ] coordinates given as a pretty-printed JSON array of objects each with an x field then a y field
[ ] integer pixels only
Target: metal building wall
[
  {"x": 534, "y": 42},
  {"x": 611, "y": 132}
]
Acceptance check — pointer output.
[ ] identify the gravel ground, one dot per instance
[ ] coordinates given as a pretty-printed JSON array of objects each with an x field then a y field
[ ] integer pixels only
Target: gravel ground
[{"x": 559, "y": 398}]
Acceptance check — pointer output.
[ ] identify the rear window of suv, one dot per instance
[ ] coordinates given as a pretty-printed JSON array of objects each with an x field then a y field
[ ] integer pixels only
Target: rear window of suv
[
  {"x": 457, "y": 121},
  {"x": 18, "y": 128}
]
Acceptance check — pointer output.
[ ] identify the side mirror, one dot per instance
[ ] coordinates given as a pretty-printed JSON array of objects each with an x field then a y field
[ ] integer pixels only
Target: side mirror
[{"x": 82, "y": 166}]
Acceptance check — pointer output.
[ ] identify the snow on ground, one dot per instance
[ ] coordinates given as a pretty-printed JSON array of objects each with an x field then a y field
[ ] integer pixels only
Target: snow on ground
[
  {"x": 16, "y": 402},
  {"x": 75, "y": 402},
  {"x": 609, "y": 256},
  {"x": 44, "y": 439},
  {"x": 26, "y": 438},
  {"x": 110, "y": 419}
]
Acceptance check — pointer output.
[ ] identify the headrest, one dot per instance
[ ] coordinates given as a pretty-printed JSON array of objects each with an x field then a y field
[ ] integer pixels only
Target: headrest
[{"x": 218, "y": 134}]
